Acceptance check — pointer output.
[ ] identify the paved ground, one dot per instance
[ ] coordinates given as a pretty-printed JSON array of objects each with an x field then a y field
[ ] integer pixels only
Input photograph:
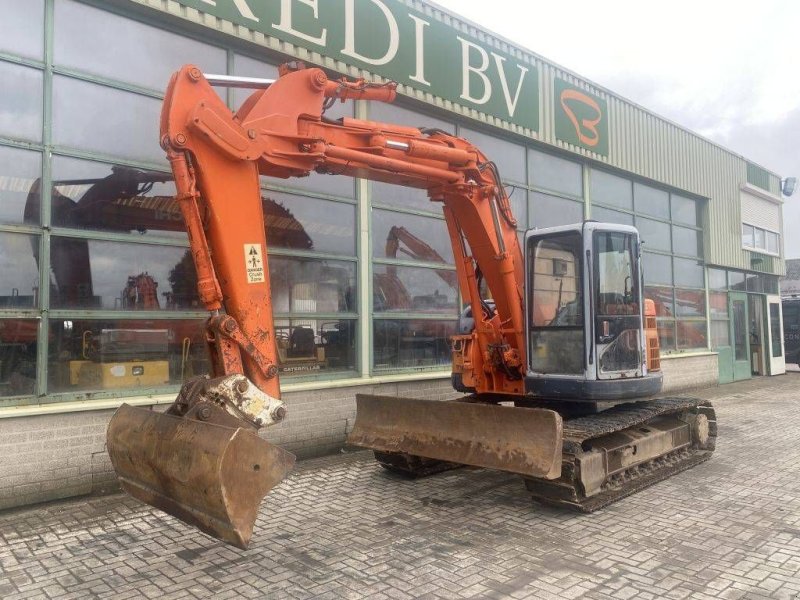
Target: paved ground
[{"x": 342, "y": 528}]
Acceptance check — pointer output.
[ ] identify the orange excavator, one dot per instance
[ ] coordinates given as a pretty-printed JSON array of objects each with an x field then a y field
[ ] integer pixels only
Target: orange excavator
[{"x": 558, "y": 370}]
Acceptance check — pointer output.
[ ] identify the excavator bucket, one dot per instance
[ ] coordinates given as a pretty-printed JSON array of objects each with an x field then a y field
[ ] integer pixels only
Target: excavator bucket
[
  {"x": 209, "y": 476},
  {"x": 519, "y": 440}
]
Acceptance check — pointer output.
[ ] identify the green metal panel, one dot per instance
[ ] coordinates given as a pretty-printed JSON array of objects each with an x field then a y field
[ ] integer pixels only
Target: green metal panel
[{"x": 725, "y": 362}]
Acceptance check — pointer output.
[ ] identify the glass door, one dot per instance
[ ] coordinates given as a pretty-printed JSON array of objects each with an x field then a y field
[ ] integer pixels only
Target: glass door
[
  {"x": 776, "y": 358},
  {"x": 740, "y": 336}
]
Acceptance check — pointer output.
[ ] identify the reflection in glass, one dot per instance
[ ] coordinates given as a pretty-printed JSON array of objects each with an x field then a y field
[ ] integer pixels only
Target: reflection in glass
[
  {"x": 718, "y": 304},
  {"x": 19, "y": 273},
  {"x": 402, "y": 197},
  {"x": 303, "y": 223},
  {"x": 18, "y": 356},
  {"x": 98, "y": 118},
  {"x": 772, "y": 242},
  {"x": 22, "y": 27},
  {"x": 666, "y": 335},
  {"x": 771, "y": 284},
  {"x": 657, "y": 268},
  {"x": 692, "y": 335},
  {"x": 662, "y": 298},
  {"x": 736, "y": 280},
  {"x": 432, "y": 240},
  {"x": 125, "y": 49},
  {"x": 312, "y": 285},
  {"x": 244, "y": 66},
  {"x": 685, "y": 210},
  {"x": 20, "y": 193},
  {"x": 409, "y": 289},
  {"x": 383, "y": 112},
  {"x": 748, "y": 236},
  {"x": 119, "y": 276},
  {"x": 611, "y": 190},
  {"x": 107, "y": 354},
  {"x": 761, "y": 240},
  {"x": 21, "y": 102},
  {"x": 518, "y": 199},
  {"x": 403, "y": 343},
  {"x": 605, "y": 215},
  {"x": 509, "y": 157},
  {"x": 651, "y": 201},
  {"x": 655, "y": 234},
  {"x": 717, "y": 279},
  {"x": 549, "y": 211},
  {"x": 91, "y": 195},
  {"x": 555, "y": 173},
  {"x": 689, "y": 272},
  {"x": 309, "y": 346},
  {"x": 754, "y": 283},
  {"x": 690, "y": 303}
]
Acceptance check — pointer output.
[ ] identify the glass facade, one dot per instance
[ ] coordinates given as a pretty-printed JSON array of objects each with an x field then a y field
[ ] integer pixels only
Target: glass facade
[
  {"x": 97, "y": 286},
  {"x": 95, "y": 271},
  {"x": 670, "y": 228}
]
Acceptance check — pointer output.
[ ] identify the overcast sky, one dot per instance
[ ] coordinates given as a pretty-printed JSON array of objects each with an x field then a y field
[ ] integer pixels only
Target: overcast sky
[{"x": 729, "y": 70}]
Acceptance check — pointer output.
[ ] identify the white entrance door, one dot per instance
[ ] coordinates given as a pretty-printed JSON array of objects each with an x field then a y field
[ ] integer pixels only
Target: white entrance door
[{"x": 774, "y": 350}]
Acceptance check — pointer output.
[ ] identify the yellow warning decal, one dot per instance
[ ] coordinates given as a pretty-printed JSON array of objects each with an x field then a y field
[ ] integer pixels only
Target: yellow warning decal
[{"x": 254, "y": 262}]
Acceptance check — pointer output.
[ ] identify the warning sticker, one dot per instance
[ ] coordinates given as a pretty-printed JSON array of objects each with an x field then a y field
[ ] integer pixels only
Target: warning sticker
[{"x": 254, "y": 261}]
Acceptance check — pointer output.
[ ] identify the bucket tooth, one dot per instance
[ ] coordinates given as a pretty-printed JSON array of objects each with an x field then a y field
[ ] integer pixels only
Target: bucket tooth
[
  {"x": 209, "y": 476},
  {"x": 527, "y": 441}
]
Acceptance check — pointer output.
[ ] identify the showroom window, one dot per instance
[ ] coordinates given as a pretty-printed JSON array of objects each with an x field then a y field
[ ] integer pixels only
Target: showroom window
[
  {"x": 670, "y": 228},
  {"x": 97, "y": 271},
  {"x": 415, "y": 298}
]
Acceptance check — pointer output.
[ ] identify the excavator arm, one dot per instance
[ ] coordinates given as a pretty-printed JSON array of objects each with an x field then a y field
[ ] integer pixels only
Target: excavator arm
[{"x": 281, "y": 131}]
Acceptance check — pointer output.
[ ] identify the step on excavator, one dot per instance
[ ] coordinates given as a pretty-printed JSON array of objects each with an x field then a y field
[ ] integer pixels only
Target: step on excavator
[{"x": 558, "y": 365}]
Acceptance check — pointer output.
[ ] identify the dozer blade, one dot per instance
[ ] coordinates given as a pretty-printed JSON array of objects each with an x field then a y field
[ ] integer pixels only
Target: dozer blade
[
  {"x": 209, "y": 476},
  {"x": 520, "y": 440}
]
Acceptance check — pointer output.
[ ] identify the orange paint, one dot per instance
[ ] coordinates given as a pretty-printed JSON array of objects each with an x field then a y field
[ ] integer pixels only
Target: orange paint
[{"x": 588, "y": 125}]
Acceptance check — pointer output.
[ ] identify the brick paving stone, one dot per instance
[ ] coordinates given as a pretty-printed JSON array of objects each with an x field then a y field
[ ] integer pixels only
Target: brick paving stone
[{"x": 341, "y": 527}]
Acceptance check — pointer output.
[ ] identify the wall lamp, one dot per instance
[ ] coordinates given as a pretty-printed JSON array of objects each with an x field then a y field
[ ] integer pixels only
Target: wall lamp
[{"x": 788, "y": 186}]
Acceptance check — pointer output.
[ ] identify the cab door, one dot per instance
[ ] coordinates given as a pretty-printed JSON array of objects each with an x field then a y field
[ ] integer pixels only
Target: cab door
[
  {"x": 617, "y": 306},
  {"x": 776, "y": 355}
]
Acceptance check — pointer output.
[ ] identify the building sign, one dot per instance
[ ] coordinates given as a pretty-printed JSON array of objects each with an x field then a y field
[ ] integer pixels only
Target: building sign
[
  {"x": 581, "y": 118},
  {"x": 392, "y": 40}
]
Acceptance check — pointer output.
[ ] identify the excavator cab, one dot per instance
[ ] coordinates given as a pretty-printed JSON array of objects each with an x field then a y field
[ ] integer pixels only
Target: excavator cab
[{"x": 585, "y": 314}]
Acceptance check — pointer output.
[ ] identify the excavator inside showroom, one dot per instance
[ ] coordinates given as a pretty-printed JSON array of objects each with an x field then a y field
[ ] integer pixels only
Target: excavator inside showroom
[{"x": 557, "y": 355}]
